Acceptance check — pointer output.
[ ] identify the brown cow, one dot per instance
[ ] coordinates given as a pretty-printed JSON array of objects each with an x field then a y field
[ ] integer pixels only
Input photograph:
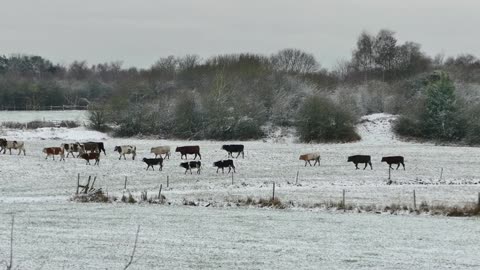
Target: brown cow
[
  {"x": 54, "y": 151},
  {"x": 189, "y": 150},
  {"x": 90, "y": 156}
]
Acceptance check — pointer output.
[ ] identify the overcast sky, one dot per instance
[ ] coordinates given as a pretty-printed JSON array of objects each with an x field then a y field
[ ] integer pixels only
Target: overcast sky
[{"x": 140, "y": 31}]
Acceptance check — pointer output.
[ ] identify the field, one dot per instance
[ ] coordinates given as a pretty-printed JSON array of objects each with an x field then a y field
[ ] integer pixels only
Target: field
[{"x": 175, "y": 236}]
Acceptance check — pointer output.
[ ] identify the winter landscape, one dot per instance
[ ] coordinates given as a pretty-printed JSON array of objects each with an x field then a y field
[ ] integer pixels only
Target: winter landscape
[
  {"x": 356, "y": 124},
  {"x": 217, "y": 232}
]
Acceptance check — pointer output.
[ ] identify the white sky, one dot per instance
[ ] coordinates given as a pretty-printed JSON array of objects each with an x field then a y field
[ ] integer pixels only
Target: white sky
[{"x": 140, "y": 31}]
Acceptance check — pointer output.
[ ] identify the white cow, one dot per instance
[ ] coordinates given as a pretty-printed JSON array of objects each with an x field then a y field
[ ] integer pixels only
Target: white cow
[
  {"x": 161, "y": 150},
  {"x": 17, "y": 145},
  {"x": 126, "y": 150},
  {"x": 309, "y": 157}
]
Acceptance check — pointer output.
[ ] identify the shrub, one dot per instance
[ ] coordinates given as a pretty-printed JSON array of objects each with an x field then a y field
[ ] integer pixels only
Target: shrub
[{"x": 321, "y": 120}]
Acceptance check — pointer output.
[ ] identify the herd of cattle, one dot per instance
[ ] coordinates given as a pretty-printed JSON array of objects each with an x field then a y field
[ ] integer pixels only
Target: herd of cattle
[{"x": 92, "y": 151}]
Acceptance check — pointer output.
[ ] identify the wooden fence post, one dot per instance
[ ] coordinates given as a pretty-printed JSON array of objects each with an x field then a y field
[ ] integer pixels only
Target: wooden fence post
[
  {"x": 160, "y": 193},
  {"x": 343, "y": 201},
  {"x": 414, "y": 200},
  {"x": 78, "y": 183},
  {"x": 273, "y": 192}
]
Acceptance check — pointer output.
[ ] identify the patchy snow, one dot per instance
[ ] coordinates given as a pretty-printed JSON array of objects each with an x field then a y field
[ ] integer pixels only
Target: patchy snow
[
  {"x": 27, "y": 116},
  {"x": 65, "y": 134},
  {"x": 377, "y": 129}
]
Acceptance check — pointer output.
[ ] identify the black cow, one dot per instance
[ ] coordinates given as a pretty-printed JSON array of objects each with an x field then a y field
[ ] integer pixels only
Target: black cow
[
  {"x": 191, "y": 164},
  {"x": 361, "y": 159},
  {"x": 394, "y": 160},
  {"x": 234, "y": 148},
  {"x": 95, "y": 147},
  {"x": 189, "y": 150},
  {"x": 153, "y": 161},
  {"x": 221, "y": 164}
]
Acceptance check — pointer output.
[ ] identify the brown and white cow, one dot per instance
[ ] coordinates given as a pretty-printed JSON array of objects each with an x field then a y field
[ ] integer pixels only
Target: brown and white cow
[
  {"x": 54, "y": 151},
  {"x": 72, "y": 148},
  {"x": 16, "y": 145},
  {"x": 126, "y": 150},
  {"x": 309, "y": 157}
]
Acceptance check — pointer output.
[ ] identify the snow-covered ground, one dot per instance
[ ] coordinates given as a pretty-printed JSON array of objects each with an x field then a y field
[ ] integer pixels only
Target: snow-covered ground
[
  {"x": 96, "y": 236},
  {"x": 182, "y": 237},
  {"x": 27, "y": 116}
]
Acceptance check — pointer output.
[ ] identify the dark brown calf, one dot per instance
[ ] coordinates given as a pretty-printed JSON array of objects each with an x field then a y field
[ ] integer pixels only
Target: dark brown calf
[
  {"x": 399, "y": 160},
  {"x": 90, "y": 156}
]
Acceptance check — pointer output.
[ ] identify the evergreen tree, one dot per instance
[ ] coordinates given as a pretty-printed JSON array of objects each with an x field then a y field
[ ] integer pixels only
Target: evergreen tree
[{"x": 441, "y": 118}]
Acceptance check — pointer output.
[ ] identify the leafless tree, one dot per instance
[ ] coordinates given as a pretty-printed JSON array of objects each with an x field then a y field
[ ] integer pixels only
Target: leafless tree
[
  {"x": 363, "y": 54},
  {"x": 384, "y": 50},
  {"x": 294, "y": 61}
]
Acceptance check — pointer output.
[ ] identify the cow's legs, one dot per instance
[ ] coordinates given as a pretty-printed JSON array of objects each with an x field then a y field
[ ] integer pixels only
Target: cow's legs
[
  {"x": 97, "y": 162},
  {"x": 316, "y": 161},
  {"x": 161, "y": 167},
  {"x": 356, "y": 166},
  {"x": 305, "y": 163},
  {"x": 398, "y": 166},
  {"x": 218, "y": 169},
  {"x": 200, "y": 155},
  {"x": 403, "y": 164},
  {"x": 223, "y": 169},
  {"x": 371, "y": 167},
  {"x": 233, "y": 169}
]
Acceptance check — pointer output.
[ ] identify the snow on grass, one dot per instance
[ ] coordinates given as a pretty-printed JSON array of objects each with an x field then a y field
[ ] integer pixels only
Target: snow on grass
[
  {"x": 64, "y": 134},
  {"x": 100, "y": 236},
  {"x": 27, "y": 116}
]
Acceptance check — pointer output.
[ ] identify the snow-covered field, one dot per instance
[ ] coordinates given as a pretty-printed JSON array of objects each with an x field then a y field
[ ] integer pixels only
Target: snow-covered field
[
  {"x": 182, "y": 237},
  {"x": 27, "y": 116}
]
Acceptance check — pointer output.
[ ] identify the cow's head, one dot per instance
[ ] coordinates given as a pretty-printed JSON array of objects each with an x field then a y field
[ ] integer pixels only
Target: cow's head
[
  {"x": 44, "y": 150},
  {"x": 350, "y": 158},
  {"x": 3, "y": 142},
  {"x": 144, "y": 159},
  {"x": 117, "y": 149},
  {"x": 217, "y": 163},
  {"x": 177, "y": 149},
  {"x": 383, "y": 159},
  {"x": 224, "y": 147},
  {"x": 184, "y": 165}
]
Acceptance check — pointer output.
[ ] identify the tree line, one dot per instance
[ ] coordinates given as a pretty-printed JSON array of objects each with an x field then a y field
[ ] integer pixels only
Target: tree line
[{"x": 248, "y": 96}]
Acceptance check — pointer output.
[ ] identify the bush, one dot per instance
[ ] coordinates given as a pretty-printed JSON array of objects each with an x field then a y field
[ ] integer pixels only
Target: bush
[
  {"x": 98, "y": 118},
  {"x": 321, "y": 120}
]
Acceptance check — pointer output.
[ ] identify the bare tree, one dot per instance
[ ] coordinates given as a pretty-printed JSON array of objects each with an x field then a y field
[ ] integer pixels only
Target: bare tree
[
  {"x": 294, "y": 61},
  {"x": 384, "y": 50},
  {"x": 363, "y": 54},
  {"x": 189, "y": 61}
]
